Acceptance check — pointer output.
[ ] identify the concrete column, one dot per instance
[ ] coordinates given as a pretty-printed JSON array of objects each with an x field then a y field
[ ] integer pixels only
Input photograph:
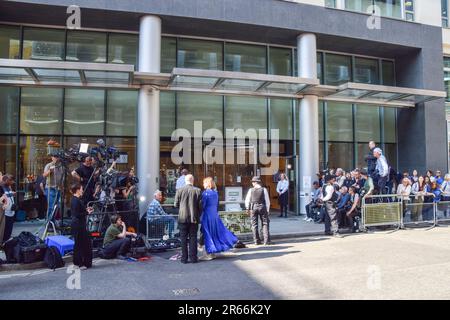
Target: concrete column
[
  {"x": 340, "y": 4},
  {"x": 148, "y": 112},
  {"x": 308, "y": 120}
]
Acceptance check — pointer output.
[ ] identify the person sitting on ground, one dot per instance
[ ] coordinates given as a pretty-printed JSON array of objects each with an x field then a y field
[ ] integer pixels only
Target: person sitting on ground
[
  {"x": 156, "y": 214},
  {"x": 116, "y": 242}
]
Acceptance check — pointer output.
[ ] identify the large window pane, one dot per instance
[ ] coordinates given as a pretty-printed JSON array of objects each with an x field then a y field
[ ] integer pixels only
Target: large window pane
[
  {"x": 321, "y": 132},
  {"x": 43, "y": 44},
  {"x": 340, "y": 155},
  {"x": 280, "y": 61},
  {"x": 388, "y": 8},
  {"x": 8, "y": 154},
  {"x": 123, "y": 48},
  {"x": 367, "y": 123},
  {"x": 200, "y": 54},
  {"x": 9, "y": 42},
  {"x": 362, "y": 152},
  {"x": 447, "y": 84},
  {"x": 320, "y": 66},
  {"x": 86, "y": 46},
  {"x": 167, "y": 114},
  {"x": 168, "y": 54},
  {"x": 40, "y": 111},
  {"x": 390, "y": 151},
  {"x": 9, "y": 108},
  {"x": 84, "y": 112},
  {"x": 199, "y": 107},
  {"x": 124, "y": 146},
  {"x": 281, "y": 117},
  {"x": 388, "y": 72},
  {"x": 337, "y": 69},
  {"x": 245, "y": 113},
  {"x": 390, "y": 134},
  {"x": 366, "y": 71},
  {"x": 245, "y": 58},
  {"x": 339, "y": 122},
  {"x": 121, "y": 113}
]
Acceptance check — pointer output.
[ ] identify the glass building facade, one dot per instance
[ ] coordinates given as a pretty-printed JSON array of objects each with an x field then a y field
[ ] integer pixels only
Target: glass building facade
[{"x": 32, "y": 116}]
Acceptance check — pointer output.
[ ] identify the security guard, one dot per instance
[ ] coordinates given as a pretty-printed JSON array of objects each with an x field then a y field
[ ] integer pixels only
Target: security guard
[
  {"x": 257, "y": 202},
  {"x": 329, "y": 199}
]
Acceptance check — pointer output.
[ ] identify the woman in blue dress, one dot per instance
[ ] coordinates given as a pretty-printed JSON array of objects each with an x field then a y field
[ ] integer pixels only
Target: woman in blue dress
[{"x": 217, "y": 237}]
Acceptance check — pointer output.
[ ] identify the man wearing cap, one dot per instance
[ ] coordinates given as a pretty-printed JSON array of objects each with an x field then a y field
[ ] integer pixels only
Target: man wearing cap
[
  {"x": 382, "y": 168},
  {"x": 330, "y": 197},
  {"x": 257, "y": 202},
  {"x": 54, "y": 173}
]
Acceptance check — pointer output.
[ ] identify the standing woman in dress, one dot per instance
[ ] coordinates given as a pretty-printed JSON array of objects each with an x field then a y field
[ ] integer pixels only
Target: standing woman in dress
[
  {"x": 82, "y": 251},
  {"x": 217, "y": 237}
]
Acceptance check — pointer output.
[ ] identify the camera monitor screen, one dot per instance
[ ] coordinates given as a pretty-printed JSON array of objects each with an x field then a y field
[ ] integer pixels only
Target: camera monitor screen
[{"x": 84, "y": 147}]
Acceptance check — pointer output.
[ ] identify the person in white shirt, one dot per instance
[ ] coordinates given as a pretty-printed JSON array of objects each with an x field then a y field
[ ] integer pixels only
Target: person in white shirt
[
  {"x": 257, "y": 204},
  {"x": 181, "y": 182},
  {"x": 403, "y": 192},
  {"x": 445, "y": 197},
  {"x": 382, "y": 169},
  {"x": 329, "y": 199},
  {"x": 283, "y": 192},
  {"x": 340, "y": 177}
]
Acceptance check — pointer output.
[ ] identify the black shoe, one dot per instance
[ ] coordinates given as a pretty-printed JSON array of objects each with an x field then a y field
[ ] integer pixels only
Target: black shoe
[
  {"x": 268, "y": 243},
  {"x": 258, "y": 243},
  {"x": 183, "y": 261},
  {"x": 280, "y": 216}
]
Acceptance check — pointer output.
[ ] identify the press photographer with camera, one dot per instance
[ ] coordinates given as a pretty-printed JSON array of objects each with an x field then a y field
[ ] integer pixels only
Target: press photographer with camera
[
  {"x": 8, "y": 205},
  {"x": 86, "y": 176},
  {"x": 54, "y": 173}
]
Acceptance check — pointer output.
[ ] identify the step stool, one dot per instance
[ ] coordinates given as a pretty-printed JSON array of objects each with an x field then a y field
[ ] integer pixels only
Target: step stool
[{"x": 62, "y": 243}]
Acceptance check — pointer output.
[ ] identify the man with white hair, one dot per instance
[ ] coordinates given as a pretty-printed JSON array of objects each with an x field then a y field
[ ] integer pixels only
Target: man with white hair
[
  {"x": 189, "y": 200},
  {"x": 340, "y": 177},
  {"x": 382, "y": 169},
  {"x": 157, "y": 215}
]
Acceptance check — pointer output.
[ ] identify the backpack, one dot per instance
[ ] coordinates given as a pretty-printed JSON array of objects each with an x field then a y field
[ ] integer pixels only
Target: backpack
[{"x": 53, "y": 258}]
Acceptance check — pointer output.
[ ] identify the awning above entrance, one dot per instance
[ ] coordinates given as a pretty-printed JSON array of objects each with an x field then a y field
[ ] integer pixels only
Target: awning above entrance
[{"x": 65, "y": 74}]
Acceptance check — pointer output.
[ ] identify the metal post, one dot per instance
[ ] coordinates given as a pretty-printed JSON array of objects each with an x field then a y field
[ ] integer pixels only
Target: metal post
[
  {"x": 148, "y": 111},
  {"x": 308, "y": 119}
]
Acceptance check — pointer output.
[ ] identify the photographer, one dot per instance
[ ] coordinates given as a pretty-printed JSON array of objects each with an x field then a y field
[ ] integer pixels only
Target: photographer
[
  {"x": 54, "y": 173},
  {"x": 9, "y": 205},
  {"x": 85, "y": 175},
  {"x": 116, "y": 243}
]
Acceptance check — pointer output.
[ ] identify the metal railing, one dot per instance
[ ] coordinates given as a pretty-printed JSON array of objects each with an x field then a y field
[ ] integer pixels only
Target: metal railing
[{"x": 381, "y": 210}]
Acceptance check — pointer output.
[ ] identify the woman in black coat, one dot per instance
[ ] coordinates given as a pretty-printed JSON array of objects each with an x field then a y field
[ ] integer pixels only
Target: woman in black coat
[{"x": 82, "y": 251}]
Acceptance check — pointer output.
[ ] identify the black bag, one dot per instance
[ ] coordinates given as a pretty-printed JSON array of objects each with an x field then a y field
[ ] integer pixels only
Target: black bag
[
  {"x": 29, "y": 248},
  {"x": 138, "y": 252},
  {"x": 8, "y": 247},
  {"x": 53, "y": 258}
]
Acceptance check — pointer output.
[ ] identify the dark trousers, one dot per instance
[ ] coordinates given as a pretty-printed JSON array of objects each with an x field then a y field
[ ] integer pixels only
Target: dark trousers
[
  {"x": 119, "y": 247},
  {"x": 82, "y": 250},
  {"x": 331, "y": 218},
  {"x": 42, "y": 206},
  {"x": 283, "y": 200},
  {"x": 188, "y": 234},
  {"x": 9, "y": 222},
  {"x": 382, "y": 185},
  {"x": 260, "y": 212}
]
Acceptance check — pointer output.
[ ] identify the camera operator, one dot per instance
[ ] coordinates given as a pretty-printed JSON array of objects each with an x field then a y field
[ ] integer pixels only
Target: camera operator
[
  {"x": 54, "y": 173},
  {"x": 9, "y": 205},
  {"x": 86, "y": 177},
  {"x": 116, "y": 242}
]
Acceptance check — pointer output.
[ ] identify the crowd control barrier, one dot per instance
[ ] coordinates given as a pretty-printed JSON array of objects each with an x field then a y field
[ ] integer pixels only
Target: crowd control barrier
[{"x": 381, "y": 210}]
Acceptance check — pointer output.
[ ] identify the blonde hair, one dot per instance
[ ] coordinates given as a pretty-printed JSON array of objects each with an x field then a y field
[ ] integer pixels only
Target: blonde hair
[{"x": 209, "y": 182}]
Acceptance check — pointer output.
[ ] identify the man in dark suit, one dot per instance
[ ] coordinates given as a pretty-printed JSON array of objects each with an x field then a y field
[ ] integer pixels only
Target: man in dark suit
[{"x": 189, "y": 200}]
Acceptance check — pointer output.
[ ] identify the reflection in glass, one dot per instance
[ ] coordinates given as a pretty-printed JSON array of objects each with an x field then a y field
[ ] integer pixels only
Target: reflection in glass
[
  {"x": 367, "y": 123},
  {"x": 43, "y": 44},
  {"x": 121, "y": 113},
  {"x": 9, "y": 42},
  {"x": 9, "y": 102},
  {"x": 200, "y": 54},
  {"x": 85, "y": 46},
  {"x": 8, "y": 154},
  {"x": 281, "y": 117},
  {"x": 366, "y": 71},
  {"x": 339, "y": 122},
  {"x": 167, "y": 113},
  {"x": 390, "y": 134},
  {"x": 124, "y": 146},
  {"x": 447, "y": 84},
  {"x": 40, "y": 111},
  {"x": 84, "y": 112},
  {"x": 280, "y": 61},
  {"x": 123, "y": 48},
  {"x": 245, "y": 113},
  {"x": 199, "y": 107},
  {"x": 340, "y": 155},
  {"x": 168, "y": 54},
  {"x": 388, "y": 73},
  {"x": 387, "y": 8},
  {"x": 337, "y": 69},
  {"x": 245, "y": 58}
]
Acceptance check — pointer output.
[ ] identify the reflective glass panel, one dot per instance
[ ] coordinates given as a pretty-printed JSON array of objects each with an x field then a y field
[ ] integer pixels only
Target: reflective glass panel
[
  {"x": 57, "y": 75},
  {"x": 168, "y": 54},
  {"x": 40, "y": 111},
  {"x": 8, "y": 157},
  {"x": 337, "y": 69},
  {"x": 121, "y": 113},
  {"x": 281, "y": 117},
  {"x": 9, "y": 106},
  {"x": 245, "y": 58},
  {"x": 388, "y": 73},
  {"x": 366, "y": 71},
  {"x": 167, "y": 113},
  {"x": 85, "y": 46},
  {"x": 367, "y": 123},
  {"x": 280, "y": 61},
  {"x": 200, "y": 54},
  {"x": 123, "y": 48},
  {"x": 43, "y": 44},
  {"x": 340, "y": 155},
  {"x": 390, "y": 134},
  {"x": 84, "y": 112},
  {"x": 245, "y": 113},
  {"x": 9, "y": 42},
  {"x": 339, "y": 122}
]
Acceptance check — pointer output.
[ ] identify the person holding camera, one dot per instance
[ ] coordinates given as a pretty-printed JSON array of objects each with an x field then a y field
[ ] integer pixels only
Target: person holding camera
[
  {"x": 9, "y": 205},
  {"x": 54, "y": 173},
  {"x": 116, "y": 244},
  {"x": 82, "y": 251},
  {"x": 86, "y": 176}
]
